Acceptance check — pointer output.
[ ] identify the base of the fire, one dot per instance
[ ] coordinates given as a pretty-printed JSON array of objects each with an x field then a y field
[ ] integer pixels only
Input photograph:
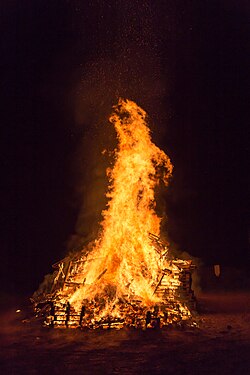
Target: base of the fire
[{"x": 177, "y": 306}]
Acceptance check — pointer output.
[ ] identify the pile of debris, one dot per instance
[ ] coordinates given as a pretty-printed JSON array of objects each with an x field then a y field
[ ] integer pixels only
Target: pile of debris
[{"x": 176, "y": 306}]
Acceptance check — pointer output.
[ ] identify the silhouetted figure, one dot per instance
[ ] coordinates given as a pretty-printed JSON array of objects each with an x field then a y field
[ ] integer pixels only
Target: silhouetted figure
[
  {"x": 67, "y": 314},
  {"x": 52, "y": 313},
  {"x": 148, "y": 318},
  {"x": 82, "y": 315},
  {"x": 158, "y": 323},
  {"x": 165, "y": 316}
]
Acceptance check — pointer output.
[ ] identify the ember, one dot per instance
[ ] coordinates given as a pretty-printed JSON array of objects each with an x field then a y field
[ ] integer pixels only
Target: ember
[{"x": 127, "y": 277}]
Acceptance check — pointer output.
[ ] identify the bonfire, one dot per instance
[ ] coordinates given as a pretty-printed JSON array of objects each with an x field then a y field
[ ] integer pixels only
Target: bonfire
[{"x": 127, "y": 276}]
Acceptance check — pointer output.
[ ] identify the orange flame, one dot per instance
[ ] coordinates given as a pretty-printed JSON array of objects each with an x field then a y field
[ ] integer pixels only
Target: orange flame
[{"x": 124, "y": 260}]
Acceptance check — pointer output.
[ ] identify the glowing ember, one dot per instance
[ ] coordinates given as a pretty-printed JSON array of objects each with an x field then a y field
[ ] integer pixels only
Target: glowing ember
[{"x": 128, "y": 275}]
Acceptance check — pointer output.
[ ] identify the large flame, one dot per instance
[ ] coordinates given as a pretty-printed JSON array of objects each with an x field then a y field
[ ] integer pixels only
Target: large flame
[
  {"x": 126, "y": 277},
  {"x": 124, "y": 261}
]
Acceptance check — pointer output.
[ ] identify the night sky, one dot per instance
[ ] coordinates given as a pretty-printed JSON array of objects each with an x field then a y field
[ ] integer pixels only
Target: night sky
[{"x": 63, "y": 65}]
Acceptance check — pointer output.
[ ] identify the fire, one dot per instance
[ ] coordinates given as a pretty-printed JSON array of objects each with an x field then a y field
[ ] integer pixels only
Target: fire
[
  {"x": 125, "y": 250},
  {"x": 128, "y": 270}
]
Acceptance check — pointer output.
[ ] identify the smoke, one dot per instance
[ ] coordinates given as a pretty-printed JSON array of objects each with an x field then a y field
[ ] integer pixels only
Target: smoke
[
  {"x": 126, "y": 64},
  {"x": 45, "y": 286}
]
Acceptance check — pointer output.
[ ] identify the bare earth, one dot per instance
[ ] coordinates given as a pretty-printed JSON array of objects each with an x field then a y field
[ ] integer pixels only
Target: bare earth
[{"x": 221, "y": 345}]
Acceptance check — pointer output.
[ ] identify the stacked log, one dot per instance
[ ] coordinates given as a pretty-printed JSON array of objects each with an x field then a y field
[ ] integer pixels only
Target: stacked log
[{"x": 174, "y": 289}]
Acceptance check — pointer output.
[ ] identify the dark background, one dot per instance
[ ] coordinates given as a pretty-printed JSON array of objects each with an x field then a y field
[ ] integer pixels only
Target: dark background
[{"x": 63, "y": 65}]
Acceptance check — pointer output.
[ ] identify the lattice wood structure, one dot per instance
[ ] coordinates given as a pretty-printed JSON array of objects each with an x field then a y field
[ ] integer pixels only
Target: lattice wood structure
[{"x": 174, "y": 296}]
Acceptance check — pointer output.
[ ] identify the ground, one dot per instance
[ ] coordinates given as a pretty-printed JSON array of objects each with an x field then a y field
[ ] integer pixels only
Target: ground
[{"x": 221, "y": 345}]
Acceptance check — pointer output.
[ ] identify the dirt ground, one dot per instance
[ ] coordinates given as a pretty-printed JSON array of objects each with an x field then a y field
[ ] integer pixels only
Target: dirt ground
[{"x": 221, "y": 345}]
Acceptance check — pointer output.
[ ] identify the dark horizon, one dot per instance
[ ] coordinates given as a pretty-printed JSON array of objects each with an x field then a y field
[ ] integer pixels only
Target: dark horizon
[{"x": 64, "y": 65}]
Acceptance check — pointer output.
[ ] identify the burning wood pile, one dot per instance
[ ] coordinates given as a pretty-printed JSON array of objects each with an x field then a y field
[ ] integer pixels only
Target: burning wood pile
[{"x": 127, "y": 277}]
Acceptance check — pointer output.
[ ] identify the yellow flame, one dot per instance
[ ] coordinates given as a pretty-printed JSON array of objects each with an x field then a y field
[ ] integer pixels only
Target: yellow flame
[{"x": 124, "y": 260}]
